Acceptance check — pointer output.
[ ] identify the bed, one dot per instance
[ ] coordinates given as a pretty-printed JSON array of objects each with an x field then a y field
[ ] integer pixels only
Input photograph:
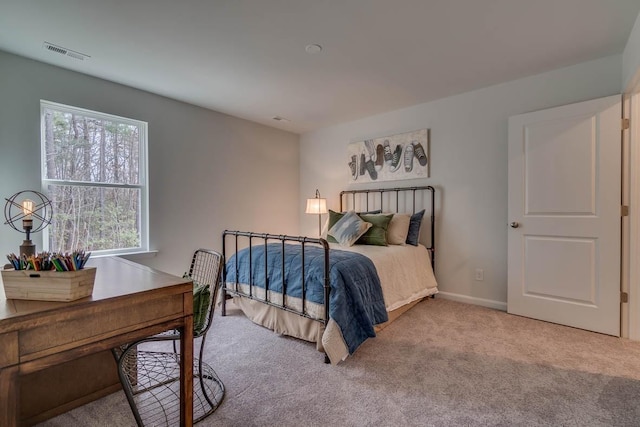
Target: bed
[{"x": 337, "y": 290}]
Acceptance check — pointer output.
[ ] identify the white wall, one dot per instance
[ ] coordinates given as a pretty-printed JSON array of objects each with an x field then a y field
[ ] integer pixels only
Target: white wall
[
  {"x": 631, "y": 59},
  {"x": 469, "y": 169},
  {"x": 208, "y": 171}
]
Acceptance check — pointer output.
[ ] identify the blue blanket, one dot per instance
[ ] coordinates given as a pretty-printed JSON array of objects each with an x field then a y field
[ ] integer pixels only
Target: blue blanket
[{"x": 356, "y": 302}]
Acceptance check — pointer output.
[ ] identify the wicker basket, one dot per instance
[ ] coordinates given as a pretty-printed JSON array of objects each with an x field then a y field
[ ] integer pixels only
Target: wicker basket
[{"x": 48, "y": 285}]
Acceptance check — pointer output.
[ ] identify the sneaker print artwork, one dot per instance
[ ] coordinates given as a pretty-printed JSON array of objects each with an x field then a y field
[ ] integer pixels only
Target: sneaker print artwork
[{"x": 395, "y": 157}]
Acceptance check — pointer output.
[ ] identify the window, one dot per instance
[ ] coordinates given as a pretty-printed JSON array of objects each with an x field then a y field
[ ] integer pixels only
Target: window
[{"x": 94, "y": 171}]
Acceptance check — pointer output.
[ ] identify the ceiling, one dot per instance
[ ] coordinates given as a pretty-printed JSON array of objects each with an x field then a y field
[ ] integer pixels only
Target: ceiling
[{"x": 247, "y": 58}]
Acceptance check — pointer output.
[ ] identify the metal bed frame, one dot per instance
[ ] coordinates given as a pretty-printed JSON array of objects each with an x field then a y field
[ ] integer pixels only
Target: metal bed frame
[
  {"x": 413, "y": 190},
  {"x": 251, "y": 295},
  {"x": 265, "y": 238}
]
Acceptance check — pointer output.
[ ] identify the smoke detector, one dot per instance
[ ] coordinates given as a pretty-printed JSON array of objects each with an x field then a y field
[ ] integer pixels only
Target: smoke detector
[{"x": 64, "y": 51}]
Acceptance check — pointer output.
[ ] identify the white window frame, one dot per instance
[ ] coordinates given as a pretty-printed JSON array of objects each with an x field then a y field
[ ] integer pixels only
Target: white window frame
[{"x": 142, "y": 172}]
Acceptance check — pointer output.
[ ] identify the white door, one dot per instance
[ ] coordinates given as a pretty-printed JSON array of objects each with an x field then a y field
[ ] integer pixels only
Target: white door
[{"x": 564, "y": 215}]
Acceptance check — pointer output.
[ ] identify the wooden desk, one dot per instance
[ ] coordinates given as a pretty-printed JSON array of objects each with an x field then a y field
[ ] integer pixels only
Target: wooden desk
[{"x": 129, "y": 301}]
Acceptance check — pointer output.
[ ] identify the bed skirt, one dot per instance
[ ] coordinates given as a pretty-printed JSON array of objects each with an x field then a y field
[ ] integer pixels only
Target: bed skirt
[{"x": 327, "y": 340}]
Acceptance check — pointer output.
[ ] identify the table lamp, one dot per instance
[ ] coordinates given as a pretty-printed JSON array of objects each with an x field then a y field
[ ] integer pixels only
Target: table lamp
[{"x": 317, "y": 206}]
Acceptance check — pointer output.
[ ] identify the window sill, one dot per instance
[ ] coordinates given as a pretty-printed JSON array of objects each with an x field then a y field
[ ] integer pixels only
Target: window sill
[{"x": 132, "y": 256}]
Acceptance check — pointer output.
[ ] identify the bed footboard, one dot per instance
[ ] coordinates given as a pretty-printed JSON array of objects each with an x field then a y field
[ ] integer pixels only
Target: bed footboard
[{"x": 260, "y": 292}]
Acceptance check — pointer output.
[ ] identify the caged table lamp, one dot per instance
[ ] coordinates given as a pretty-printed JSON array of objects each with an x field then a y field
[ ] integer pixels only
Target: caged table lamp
[{"x": 34, "y": 209}]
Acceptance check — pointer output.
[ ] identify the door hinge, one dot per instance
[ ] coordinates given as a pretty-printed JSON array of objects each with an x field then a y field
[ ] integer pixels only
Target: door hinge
[
  {"x": 625, "y": 124},
  {"x": 624, "y": 210},
  {"x": 624, "y": 297}
]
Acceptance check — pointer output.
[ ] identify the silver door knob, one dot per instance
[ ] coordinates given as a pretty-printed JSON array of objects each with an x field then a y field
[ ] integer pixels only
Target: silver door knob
[{"x": 514, "y": 224}]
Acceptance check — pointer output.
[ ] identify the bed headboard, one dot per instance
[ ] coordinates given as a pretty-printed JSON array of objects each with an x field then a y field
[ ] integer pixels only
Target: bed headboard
[{"x": 396, "y": 200}]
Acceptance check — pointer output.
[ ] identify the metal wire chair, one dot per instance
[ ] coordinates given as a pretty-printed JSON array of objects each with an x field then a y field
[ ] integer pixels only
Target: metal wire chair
[{"x": 150, "y": 375}]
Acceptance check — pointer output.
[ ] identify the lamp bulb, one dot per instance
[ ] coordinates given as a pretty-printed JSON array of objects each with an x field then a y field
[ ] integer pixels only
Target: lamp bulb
[{"x": 27, "y": 208}]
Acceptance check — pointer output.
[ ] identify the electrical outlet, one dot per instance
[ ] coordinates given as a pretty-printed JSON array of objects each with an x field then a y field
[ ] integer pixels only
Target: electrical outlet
[{"x": 479, "y": 274}]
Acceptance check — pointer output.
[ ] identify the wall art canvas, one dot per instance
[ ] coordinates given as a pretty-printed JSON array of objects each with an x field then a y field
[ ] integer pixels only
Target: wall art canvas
[{"x": 390, "y": 158}]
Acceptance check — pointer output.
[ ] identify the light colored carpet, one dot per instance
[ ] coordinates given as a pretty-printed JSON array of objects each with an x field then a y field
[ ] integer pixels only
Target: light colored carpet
[{"x": 442, "y": 363}]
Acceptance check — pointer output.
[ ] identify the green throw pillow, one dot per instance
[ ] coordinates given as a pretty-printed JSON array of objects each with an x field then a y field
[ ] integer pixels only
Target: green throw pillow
[
  {"x": 201, "y": 300},
  {"x": 377, "y": 234}
]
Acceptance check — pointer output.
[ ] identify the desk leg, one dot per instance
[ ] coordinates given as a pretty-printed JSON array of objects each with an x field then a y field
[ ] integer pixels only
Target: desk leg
[
  {"x": 9, "y": 409},
  {"x": 186, "y": 373}
]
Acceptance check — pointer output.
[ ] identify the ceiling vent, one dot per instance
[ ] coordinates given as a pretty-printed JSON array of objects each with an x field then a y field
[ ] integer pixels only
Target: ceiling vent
[{"x": 64, "y": 51}]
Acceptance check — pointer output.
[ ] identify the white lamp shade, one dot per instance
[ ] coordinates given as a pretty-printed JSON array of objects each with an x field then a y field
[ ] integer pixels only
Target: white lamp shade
[{"x": 316, "y": 206}]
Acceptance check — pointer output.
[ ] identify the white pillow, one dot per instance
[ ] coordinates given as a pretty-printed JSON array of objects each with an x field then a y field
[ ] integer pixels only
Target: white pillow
[
  {"x": 349, "y": 229},
  {"x": 398, "y": 229}
]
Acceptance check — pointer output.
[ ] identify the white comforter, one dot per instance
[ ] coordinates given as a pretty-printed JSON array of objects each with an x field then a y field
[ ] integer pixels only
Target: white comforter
[
  {"x": 405, "y": 271},
  {"x": 405, "y": 276}
]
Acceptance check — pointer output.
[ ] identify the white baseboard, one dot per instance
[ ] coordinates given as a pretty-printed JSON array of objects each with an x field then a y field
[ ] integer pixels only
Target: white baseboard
[{"x": 498, "y": 305}]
